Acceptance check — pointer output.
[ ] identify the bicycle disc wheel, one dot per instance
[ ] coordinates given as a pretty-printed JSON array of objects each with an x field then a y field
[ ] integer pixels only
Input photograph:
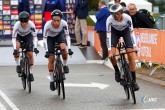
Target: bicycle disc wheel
[
  {"x": 126, "y": 89},
  {"x": 58, "y": 86},
  {"x": 127, "y": 78},
  {"x": 62, "y": 87},
  {"x": 28, "y": 76},
  {"x": 133, "y": 94},
  {"x": 23, "y": 78}
]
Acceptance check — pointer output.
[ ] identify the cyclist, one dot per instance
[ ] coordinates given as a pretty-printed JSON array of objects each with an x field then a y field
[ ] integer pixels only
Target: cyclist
[
  {"x": 118, "y": 25},
  {"x": 24, "y": 30},
  {"x": 56, "y": 31}
]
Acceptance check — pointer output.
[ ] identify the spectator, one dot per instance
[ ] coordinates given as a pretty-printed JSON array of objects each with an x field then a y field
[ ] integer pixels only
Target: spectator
[
  {"x": 139, "y": 20},
  {"x": 81, "y": 13},
  {"x": 23, "y": 5},
  {"x": 100, "y": 26},
  {"x": 51, "y": 5},
  {"x": 117, "y": 1},
  {"x": 123, "y": 5}
]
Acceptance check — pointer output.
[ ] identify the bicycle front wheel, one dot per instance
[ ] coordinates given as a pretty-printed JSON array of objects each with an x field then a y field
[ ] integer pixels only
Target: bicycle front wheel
[
  {"x": 129, "y": 76},
  {"x": 23, "y": 77},
  {"x": 28, "y": 75},
  {"x": 126, "y": 89},
  {"x": 62, "y": 87},
  {"x": 133, "y": 94}
]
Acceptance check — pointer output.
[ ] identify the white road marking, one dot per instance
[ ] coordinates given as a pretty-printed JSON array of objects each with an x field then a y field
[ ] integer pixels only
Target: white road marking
[
  {"x": 2, "y": 107},
  {"x": 9, "y": 102},
  {"x": 99, "y": 85},
  {"x": 92, "y": 84}
]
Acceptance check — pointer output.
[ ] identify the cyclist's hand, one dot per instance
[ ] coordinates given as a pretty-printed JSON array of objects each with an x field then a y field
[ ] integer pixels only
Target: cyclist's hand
[
  {"x": 36, "y": 51},
  {"x": 70, "y": 52},
  {"x": 47, "y": 55},
  {"x": 15, "y": 52}
]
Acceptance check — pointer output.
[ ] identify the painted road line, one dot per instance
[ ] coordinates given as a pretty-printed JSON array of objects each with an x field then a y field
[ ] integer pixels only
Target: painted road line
[
  {"x": 92, "y": 84},
  {"x": 8, "y": 101},
  {"x": 2, "y": 107}
]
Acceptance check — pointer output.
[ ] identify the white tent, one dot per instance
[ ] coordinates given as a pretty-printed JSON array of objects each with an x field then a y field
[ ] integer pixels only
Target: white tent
[{"x": 140, "y": 4}]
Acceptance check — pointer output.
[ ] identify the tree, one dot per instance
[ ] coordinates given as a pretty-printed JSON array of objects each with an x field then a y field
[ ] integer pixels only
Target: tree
[{"x": 93, "y": 4}]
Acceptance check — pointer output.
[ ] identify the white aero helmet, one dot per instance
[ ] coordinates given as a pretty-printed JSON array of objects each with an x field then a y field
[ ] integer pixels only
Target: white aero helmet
[{"x": 116, "y": 8}]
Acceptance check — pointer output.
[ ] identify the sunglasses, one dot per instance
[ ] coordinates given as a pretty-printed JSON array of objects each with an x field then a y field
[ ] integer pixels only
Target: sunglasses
[{"x": 24, "y": 20}]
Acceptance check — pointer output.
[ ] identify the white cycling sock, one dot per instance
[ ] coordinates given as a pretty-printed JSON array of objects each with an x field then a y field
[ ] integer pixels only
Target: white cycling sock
[
  {"x": 31, "y": 69},
  {"x": 17, "y": 60},
  {"x": 65, "y": 62},
  {"x": 51, "y": 77}
]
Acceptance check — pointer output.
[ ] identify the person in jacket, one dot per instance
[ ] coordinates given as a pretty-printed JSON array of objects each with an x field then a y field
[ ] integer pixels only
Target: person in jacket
[
  {"x": 81, "y": 13},
  {"x": 51, "y": 5},
  {"x": 23, "y": 5},
  {"x": 140, "y": 20},
  {"x": 100, "y": 26}
]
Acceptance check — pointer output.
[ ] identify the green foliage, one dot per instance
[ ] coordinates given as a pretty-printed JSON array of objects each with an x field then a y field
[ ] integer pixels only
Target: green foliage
[
  {"x": 90, "y": 22},
  {"x": 93, "y": 4}
]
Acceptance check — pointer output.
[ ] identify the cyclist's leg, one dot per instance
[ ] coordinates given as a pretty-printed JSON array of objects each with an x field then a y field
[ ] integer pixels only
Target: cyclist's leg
[
  {"x": 17, "y": 57},
  {"x": 129, "y": 47},
  {"x": 51, "y": 47},
  {"x": 114, "y": 41},
  {"x": 51, "y": 70},
  {"x": 65, "y": 57},
  {"x": 28, "y": 39},
  {"x": 61, "y": 40}
]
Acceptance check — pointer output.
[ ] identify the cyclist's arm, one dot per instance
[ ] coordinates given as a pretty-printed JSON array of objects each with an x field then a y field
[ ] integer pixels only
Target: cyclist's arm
[
  {"x": 45, "y": 31},
  {"x": 108, "y": 29},
  {"x": 131, "y": 31},
  {"x": 45, "y": 43},
  {"x": 14, "y": 35},
  {"x": 34, "y": 33},
  {"x": 68, "y": 40},
  {"x": 133, "y": 38},
  {"x": 66, "y": 30}
]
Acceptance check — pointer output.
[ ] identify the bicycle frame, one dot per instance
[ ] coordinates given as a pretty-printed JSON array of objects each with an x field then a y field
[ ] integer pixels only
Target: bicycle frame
[
  {"x": 25, "y": 67},
  {"x": 126, "y": 76},
  {"x": 59, "y": 75}
]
